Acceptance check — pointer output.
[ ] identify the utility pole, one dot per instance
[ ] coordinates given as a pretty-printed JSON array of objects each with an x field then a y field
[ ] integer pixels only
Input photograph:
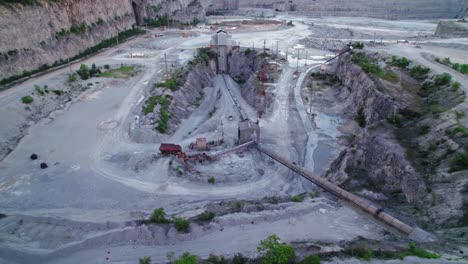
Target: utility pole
[
  {"x": 167, "y": 70},
  {"x": 277, "y": 49},
  {"x": 307, "y": 54},
  {"x": 131, "y": 51},
  {"x": 297, "y": 66}
]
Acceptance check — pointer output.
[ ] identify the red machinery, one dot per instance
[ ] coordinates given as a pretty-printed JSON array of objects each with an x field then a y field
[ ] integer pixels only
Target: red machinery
[{"x": 176, "y": 150}]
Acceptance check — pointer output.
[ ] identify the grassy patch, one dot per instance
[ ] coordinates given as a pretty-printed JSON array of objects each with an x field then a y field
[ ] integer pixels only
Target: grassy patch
[
  {"x": 412, "y": 250},
  {"x": 373, "y": 68},
  {"x": 122, "y": 72},
  {"x": 296, "y": 199}
]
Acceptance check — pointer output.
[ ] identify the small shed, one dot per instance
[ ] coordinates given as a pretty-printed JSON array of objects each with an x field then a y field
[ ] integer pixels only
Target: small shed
[
  {"x": 170, "y": 149},
  {"x": 201, "y": 144},
  {"x": 248, "y": 131}
]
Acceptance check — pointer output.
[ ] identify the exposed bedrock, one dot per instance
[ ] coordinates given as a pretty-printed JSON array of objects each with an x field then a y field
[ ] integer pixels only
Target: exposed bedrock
[
  {"x": 452, "y": 29},
  {"x": 34, "y": 35},
  {"x": 50, "y": 31},
  {"x": 387, "y": 9},
  {"x": 242, "y": 68},
  {"x": 374, "y": 159}
]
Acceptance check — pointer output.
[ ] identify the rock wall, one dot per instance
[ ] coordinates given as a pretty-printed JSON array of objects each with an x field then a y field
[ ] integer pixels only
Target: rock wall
[
  {"x": 387, "y": 9},
  {"x": 184, "y": 100},
  {"x": 31, "y": 34},
  {"x": 452, "y": 29},
  {"x": 50, "y": 31},
  {"x": 374, "y": 159},
  {"x": 242, "y": 65}
]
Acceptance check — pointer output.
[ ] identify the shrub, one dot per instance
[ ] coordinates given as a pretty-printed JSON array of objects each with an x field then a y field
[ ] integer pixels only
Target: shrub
[
  {"x": 144, "y": 260},
  {"x": 442, "y": 79},
  {"x": 38, "y": 90},
  {"x": 247, "y": 51},
  {"x": 419, "y": 73},
  {"x": 274, "y": 252},
  {"x": 2, "y": 215},
  {"x": 181, "y": 224},
  {"x": 460, "y": 162},
  {"x": 358, "y": 45},
  {"x": 402, "y": 63},
  {"x": 83, "y": 72},
  {"x": 456, "y": 85},
  {"x": 464, "y": 68},
  {"x": 206, "y": 216},
  {"x": 273, "y": 199},
  {"x": 360, "y": 118},
  {"x": 311, "y": 260},
  {"x": 456, "y": 66},
  {"x": 447, "y": 61},
  {"x": 159, "y": 217},
  {"x": 395, "y": 119},
  {"x": 437, "y": 60},
  {"x": 213, "y": 259},
  {"x": 107, "y": 67},
  {"x": 423, "y": 130},
  {"x": 58, "y": 92},
  {"x": 238, "y": 259},
  {"x": 211, "y": 180},
  {"x": 296, "y": 199},
  {"x": 27, "y": 99},
  {"x": 72, "y": 77},
  {"x": 290, "y": 23}
]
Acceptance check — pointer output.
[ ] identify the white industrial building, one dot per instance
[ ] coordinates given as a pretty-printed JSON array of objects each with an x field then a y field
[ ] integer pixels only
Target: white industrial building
[{"x": 223, "y": 44}]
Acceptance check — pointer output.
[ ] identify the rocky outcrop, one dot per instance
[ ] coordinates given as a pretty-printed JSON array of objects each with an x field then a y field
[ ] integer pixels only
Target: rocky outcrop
[
  {"x": 242, "y": 68},
  {"x": 452, "y": 29},
  {"x": 374, "y": 159},
  {"x": 184, "y": 100}
]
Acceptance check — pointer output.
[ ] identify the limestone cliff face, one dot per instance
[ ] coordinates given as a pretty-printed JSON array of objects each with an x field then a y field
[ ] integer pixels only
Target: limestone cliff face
[
  {"x": 31, "y": 34},
  {"x": 387, "y": 9},
  {"x": 374, "y": 159},
  {"x": 242, "y": 67},
  {"x": 50, "y": 31},
  {"x": 184, "y": 99}
]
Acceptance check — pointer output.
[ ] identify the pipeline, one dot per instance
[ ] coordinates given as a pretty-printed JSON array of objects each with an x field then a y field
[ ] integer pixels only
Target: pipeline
[{"x": 414, "y": 233}]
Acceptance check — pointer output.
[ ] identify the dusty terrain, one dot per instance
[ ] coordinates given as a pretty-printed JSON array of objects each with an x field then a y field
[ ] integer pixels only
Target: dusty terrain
[{"x": 84, "y": 207}]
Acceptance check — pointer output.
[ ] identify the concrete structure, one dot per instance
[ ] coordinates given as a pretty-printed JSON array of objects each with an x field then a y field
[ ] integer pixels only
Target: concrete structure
[
  {"x": 201, "y": 144},
  {"x": 248, "y": 131},
  {"x": 223, "y": 44}
]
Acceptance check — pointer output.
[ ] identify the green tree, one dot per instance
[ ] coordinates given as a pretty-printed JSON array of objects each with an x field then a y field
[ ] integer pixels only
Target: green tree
[
  {"x": 27, "y": 99},
  {"x": 181, "y": 224},
  {"x": 144, "y": 260},
  {"x": 83, "y": 72},
  {"x": 159, "y": 217},
  {"x": 274, "y": 252}
]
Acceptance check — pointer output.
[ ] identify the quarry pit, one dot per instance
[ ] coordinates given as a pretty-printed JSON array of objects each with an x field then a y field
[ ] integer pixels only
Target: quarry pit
[{"x": 311, "y": 100}]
